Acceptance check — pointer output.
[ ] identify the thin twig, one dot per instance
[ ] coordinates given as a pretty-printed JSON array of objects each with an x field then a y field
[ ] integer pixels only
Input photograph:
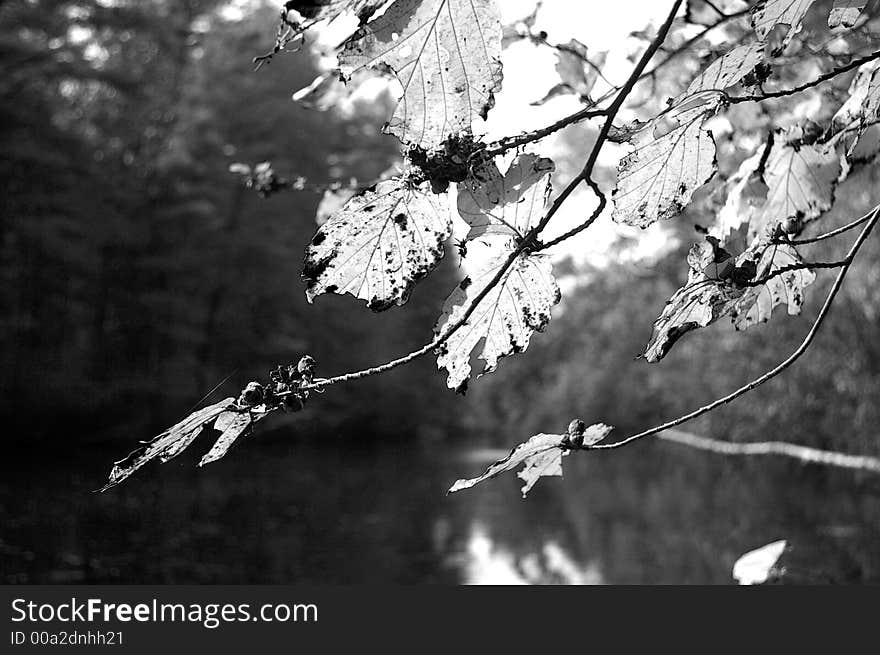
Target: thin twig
[
  {"x": 792, "y": 267},
  {"x": 855, "y": 63},
  {"x": 508, "y": 143},
  {"x": 828, "y": 235},
  {"x": 691, "y": 41},
  {"x": 769, "y": 375},
  {"x": 587, "y": 171}
]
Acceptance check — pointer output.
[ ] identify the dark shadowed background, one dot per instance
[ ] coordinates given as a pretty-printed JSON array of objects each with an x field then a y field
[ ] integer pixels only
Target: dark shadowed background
[{"x": 138, "y": 273}]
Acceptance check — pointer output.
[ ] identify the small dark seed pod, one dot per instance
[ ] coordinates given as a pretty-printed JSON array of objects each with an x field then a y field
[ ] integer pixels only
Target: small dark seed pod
[
  {"x": 792, "y": 225},
  {"x": 576, "y": 431},
  {"x": 306, "y": 365},
  {"x": 252, "y": 394}
]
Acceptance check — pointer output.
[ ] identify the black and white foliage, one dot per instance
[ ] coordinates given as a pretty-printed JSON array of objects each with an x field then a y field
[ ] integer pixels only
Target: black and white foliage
[
  {"x": 540, "y": 456},
  {"x": 672, "y": 156},
  {"x": 446, "y": 57},
  {"x": 513, "y": 308},
  {"x": 509, "y": 204},
  {"x": 379, "y": 245}
]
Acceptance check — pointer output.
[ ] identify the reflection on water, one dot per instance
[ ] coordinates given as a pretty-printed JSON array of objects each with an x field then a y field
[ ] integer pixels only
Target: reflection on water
[
  {"x": 486, "y": 562},
  {"x": 275, "y": 511}
]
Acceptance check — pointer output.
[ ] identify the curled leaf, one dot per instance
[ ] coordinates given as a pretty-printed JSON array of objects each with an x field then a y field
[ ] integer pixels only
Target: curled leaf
[
  {"x": 756, "y": 304},
  {"x": 746, "y": 288},
  {"x": 540, "y": 456},
  {"x": 703, "y": 300},
  {"x": 231, "y": 426},
  {"x": 168, "y": 444}
]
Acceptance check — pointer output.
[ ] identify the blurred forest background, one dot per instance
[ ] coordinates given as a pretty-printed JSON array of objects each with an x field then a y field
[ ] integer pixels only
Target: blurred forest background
[{"x": 138, "y": 273}]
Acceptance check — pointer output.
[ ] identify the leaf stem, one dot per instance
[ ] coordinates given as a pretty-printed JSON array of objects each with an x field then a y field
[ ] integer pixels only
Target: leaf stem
[
  {"x": 830, "y": 234},
  {"x": 855, "y": 63}
]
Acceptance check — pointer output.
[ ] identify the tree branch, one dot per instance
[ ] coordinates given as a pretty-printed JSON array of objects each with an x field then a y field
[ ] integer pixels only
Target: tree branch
[
  {"x": 529, "y": 242},
  {"x": 828, "y": 235},
  {"x": 855, "y": 63},
  {"x": 785, "y": 449},
  {"x": 769, "y": 375}
]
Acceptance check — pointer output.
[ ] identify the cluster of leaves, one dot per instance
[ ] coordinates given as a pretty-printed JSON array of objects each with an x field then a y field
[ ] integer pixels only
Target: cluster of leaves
[
  {"x": 444, "y": 56},
  {"x": 231, "y": 418}
]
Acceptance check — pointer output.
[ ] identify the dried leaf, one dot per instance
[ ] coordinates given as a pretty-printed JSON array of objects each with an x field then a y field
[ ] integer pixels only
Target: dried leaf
[
  {"x": 169, "y": 444},
  {"x": 446, "y": 56},
  {"x": 715, "y": 289},
  {"x": 800, "y": 183},
  {"x": 540, "y": 456},
  {"x": 728, "y": 69},
  {"x": 702, "y": 301},
  {"x": 863, "y": 105},
  {"x": 379, "y": 245},
  {"x": 845, "y": 13},
  {"x": 759, "y": 565},
  {"x": 577, "y": 71},
  {"x": 231, "y": 426},
  {"x": 756, "y": 303},
  {"x": 505, "y": 319},
  {"x": 509, "y": 204},
  {"x": 769, "y": 13},
  {"x": 673, "y": 156}
]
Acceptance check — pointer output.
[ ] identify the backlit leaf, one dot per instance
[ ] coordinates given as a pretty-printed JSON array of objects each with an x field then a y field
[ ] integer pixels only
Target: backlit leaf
[
  {"x": 504, "y": 320},
  {"x": 379, "y": 245},
  {"x": 719, "y": 285},
  {"x": 757, "y": 303},
  {"x": 845, "y": 13},
  {"x": 540, "y": 456},
  {"x": 446, "y": 56},
  {"x": 169, "y": 444},
  {"x": 800, "y": 183},
  {"x": 728, "y": 69},
  {"x": 767, "y": 14},
  {"x": 863, "y": 105},
  {"x": 673, "y": 155},
  {"x": 700, "y": 302},
  {"x": 578, "y": 71},
  {"x": 231, "y": 426},
  {"x": 509, "y": 204}
]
